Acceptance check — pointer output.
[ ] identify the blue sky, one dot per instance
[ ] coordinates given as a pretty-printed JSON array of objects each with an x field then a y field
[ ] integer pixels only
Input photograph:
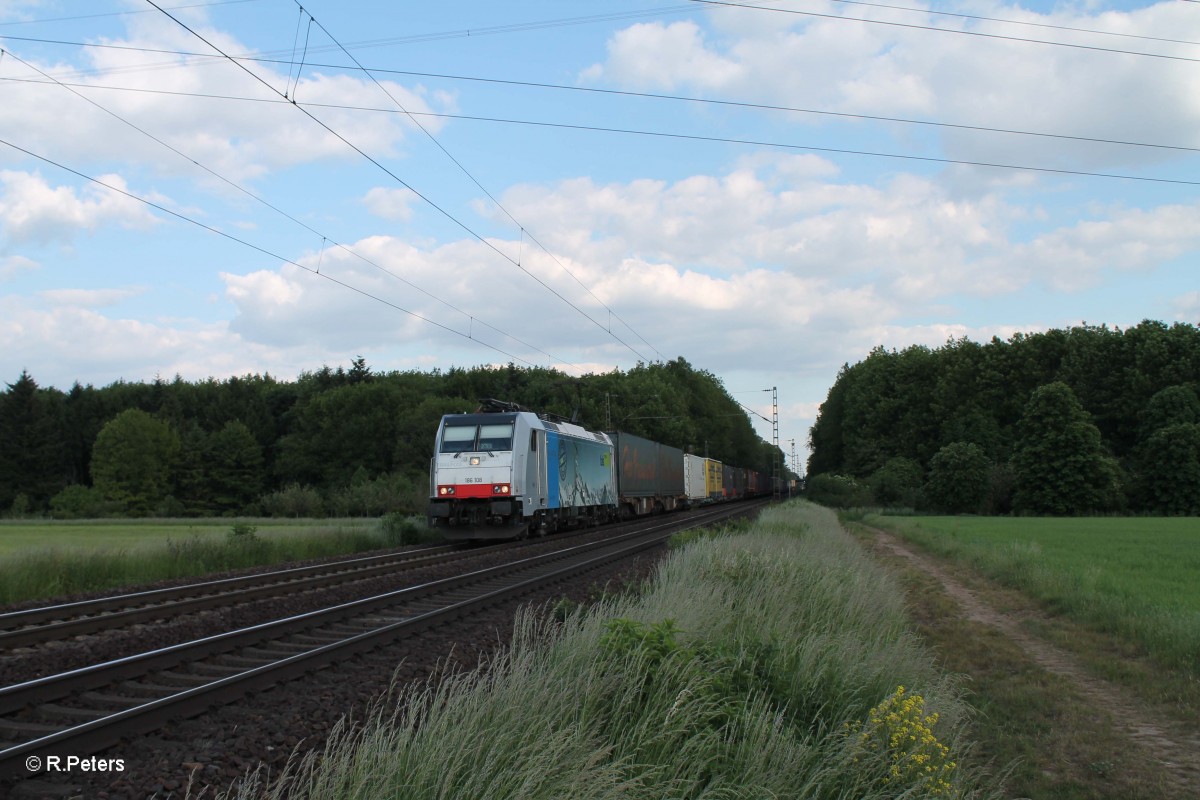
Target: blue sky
[{"x": 805, "y": 184}]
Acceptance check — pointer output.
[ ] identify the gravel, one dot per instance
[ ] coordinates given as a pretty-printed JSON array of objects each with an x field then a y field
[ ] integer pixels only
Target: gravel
[{"x": 203, "y": 756}]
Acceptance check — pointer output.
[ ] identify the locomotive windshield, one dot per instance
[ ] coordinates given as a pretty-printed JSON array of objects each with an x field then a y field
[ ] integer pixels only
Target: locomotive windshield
[{"x": 476, "y": 438}]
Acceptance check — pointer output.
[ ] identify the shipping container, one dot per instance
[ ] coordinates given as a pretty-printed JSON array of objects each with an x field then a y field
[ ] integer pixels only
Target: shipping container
[
  {"x": 694, "y": 479},
  {"x": 712, "y": 479},
  {"x": 650, "y": 476},
  {"x": 733, "y": 482}
]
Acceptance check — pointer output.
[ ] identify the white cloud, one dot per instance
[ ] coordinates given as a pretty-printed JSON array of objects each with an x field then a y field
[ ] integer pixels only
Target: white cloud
[
  {"x": 665, "y": 56},
  {"x": 12, "y": 266},
  {"x": 855, "y": 67},
  {"x": 390, "y": 204},
  {"x": 239, "y": 141},
  {"x": 1187, "y": 308},
  {"x": 33, "y": 212},
  {"x": 63, "y": 343},
  {"x": 89, "y": 298},
  {"x": 1076, "y": 256}
]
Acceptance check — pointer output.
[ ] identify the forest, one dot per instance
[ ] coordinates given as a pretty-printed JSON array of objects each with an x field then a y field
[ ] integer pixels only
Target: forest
[
  {"x": 1088, "y": 419},
  {"x": 341, "y": 442}
]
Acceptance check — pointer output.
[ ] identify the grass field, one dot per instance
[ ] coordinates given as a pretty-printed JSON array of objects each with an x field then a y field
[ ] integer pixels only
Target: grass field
[
  {"x": 40, "y": 560},
  {"x": 774, "y": 663},
  {"x": 1135, "y": 578},
  {"x": 23, "y": 536}
]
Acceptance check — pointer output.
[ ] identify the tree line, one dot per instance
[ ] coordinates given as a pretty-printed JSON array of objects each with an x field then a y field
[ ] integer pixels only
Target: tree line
[
  {"x": 332, "y": 442},
  {"x": 1088, "y": 419}
]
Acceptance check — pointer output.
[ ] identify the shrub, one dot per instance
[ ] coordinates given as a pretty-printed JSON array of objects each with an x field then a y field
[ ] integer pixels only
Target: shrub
[
  {"x": 293, "y": 500},
  {"x": 371, "y": 497},
  {"x": 960, "y": 478},
  {"x": 20, "y": 506},
  {"x": 898, "y": 482},
  {"x": 838, "y": 491},
  {"x": 399, "y": 529},
  {"x": 79, "y": 502}
]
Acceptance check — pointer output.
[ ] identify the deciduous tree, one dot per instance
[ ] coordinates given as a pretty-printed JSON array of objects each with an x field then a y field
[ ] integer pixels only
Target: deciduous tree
[
  {"x": 1059, "y": 464},
  {"x": 132, "y": 461},
  {"x": 959, "y": 478}
]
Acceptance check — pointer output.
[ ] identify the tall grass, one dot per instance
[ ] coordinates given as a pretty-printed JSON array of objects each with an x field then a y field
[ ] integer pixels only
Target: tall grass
[
  {"x": 52, "y": 572},
  {"x": 755, "y": 665},
  {"x": 1136, "y": 579}
]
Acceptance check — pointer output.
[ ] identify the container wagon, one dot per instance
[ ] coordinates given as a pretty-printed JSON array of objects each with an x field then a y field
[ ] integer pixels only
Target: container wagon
[
  {"x": 650, "y": 476},
  {"x": 712, "y": 479},
  {"x": 694, "y": 479}
]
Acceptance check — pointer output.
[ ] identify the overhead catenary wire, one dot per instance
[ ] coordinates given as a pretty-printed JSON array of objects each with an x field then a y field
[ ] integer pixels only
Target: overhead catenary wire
[
  {"x": 816, "y": 148},
  {"x": 1023, "y": 23},
  {"x": 101, "y": 15},
  {"x": 245, "y": 243},
  {"x": 281, "y": 212},
  {"x": 462, "y": 168},
  {"x": 913, "y": 26},
  {"x": 601, "y": 91},
  {"x": 727, "y": 140},
  {"x": 394, "y": 176},
  {"x": 618, "y": 16}
]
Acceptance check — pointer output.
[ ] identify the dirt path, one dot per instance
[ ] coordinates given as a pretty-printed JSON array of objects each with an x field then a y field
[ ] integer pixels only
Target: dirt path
[{"x": 1176, "y": 749}]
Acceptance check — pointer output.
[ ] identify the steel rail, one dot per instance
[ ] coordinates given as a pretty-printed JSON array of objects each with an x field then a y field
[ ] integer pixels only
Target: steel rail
[
  {"x": 19, "y": 628},
  {"x": 52, "y": 623},
  {"x": 102, "y": 732}
]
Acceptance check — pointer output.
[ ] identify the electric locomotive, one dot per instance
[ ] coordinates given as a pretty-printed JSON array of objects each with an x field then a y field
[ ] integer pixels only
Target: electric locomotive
[{"x": 505, "y": 472}]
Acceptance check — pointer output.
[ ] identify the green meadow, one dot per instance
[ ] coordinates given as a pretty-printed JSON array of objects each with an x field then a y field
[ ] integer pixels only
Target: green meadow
[
  {"x": 772, "y": 661},
  {"x": 42, "y": 560},
  {"x": 1134, "y": 577},
  {"x": 21, "y": 536}
]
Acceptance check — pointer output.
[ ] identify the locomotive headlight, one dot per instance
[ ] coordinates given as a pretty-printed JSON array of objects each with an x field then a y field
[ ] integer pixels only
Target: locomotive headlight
[
  {"x": 474, "y": 461},
  {"x": 501, "y": 488},
  {"x": 445, "y": 490}
]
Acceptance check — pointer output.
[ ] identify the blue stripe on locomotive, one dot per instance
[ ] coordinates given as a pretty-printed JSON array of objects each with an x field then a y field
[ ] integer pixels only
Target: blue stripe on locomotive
[
  {"x": 551, "y": 469},
  {"x": 580, "y": 472}
]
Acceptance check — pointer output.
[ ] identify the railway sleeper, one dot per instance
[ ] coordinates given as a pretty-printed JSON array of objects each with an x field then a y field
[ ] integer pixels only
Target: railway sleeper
[
  {"x": 156, "y": 690},
  {"x": 250, "y": 662},
  {"x": 217, "y": 670},
  {"x": 26, "y": 730},
  {"x": 53, "y": 710},
  {"x": 118, "y": 699},
  {"x": 185, "y": 678},
  {"x": 316, "y": 638},
  {"x": 417, "y": 609},
  {"x": 450, "y": 598},
  {"x": 273, "y": 653},
  {"x": 352, "y": 628},
  {"x": 290, "y": 648}
]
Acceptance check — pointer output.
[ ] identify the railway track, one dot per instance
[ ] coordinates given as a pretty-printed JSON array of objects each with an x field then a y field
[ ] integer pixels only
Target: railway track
[
  {"x": 36, "y": 626},
  {"x": 88, "y": 709},
  {"x": 51, "y": 623}
]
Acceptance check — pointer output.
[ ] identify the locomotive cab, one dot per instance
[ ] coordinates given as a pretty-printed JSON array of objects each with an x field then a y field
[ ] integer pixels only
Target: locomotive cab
[
  {"x": 473, "y": 481},
  {"x": 505, "y": 472}
]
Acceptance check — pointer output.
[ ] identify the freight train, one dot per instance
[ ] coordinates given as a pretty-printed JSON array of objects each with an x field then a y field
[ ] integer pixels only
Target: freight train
[{"x": 505, "y": 472}]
